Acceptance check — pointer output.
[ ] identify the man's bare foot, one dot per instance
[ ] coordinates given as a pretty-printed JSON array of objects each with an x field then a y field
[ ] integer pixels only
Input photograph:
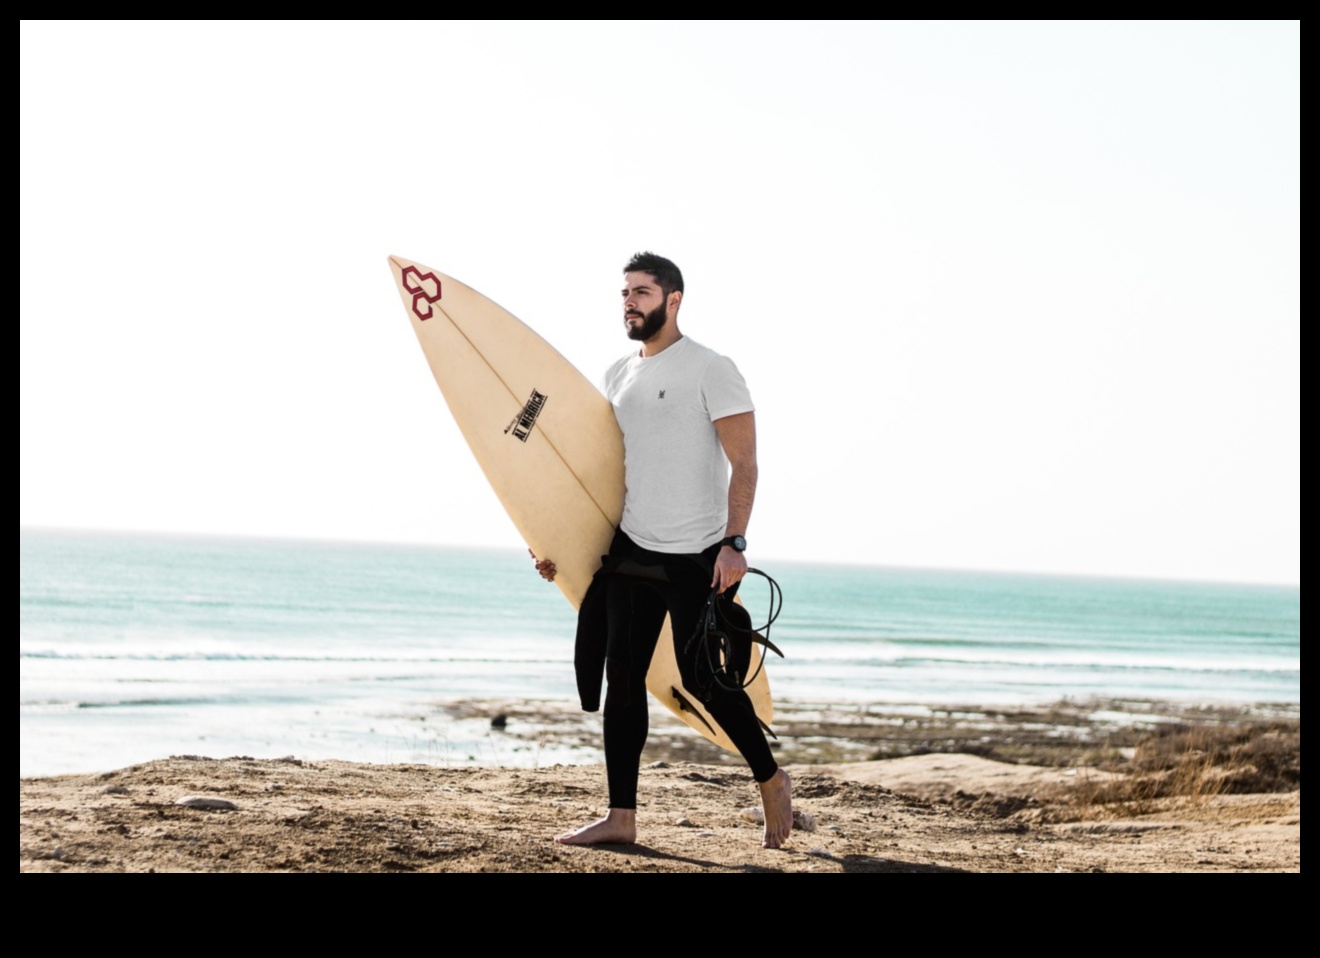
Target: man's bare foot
[
  {"x": 618, "y": 827},
  {"x": 777, "y": 802}
]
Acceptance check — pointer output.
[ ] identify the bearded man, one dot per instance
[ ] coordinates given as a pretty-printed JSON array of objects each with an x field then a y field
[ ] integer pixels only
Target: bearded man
[{"x": 690, "y": 473}]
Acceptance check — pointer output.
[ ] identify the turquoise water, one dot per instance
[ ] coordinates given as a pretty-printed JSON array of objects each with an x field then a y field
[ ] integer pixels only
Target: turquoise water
[{"x": 132, "y": 647}]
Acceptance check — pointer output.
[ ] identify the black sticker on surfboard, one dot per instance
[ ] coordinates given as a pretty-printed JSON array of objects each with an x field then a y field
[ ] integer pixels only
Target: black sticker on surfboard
[{"x": 522, "y": 424}]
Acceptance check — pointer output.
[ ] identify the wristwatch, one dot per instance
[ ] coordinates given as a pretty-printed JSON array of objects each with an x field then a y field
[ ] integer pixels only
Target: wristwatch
[{"x": 737, "y": 543}]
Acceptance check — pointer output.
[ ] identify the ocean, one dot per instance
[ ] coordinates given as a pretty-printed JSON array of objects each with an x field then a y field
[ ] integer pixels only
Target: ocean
[{"x": 134, "y": 647}]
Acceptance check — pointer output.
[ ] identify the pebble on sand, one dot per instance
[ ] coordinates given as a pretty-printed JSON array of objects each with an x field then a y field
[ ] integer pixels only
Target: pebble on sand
[
  {"x": 803, "y": 821},
  {"x": 210, "y": 804}
]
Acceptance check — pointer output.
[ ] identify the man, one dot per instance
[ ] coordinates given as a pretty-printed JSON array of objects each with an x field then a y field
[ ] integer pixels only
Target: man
[{"x": 690, "y": 477}]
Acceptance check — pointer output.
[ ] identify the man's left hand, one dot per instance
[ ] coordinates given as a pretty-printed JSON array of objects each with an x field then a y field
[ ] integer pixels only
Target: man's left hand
[{"x": 730, "y": 567}]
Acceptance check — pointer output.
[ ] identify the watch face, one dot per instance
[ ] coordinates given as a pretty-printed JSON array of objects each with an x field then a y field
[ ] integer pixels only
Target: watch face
[{"x": 739, "y": 543}]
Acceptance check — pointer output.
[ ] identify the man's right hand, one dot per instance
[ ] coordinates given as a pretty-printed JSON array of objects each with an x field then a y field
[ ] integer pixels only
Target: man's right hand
[{"x": 544, "y": 566}]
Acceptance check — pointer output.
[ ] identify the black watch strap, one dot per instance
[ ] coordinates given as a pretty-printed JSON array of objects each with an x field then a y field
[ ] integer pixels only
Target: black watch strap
[{"x": 737, "y": 543}]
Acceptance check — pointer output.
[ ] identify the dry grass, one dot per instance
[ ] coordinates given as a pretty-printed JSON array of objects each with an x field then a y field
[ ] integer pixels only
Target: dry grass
[
  {"x": 1189, "y": 765},
  {"x": 1155, "y": 754}
]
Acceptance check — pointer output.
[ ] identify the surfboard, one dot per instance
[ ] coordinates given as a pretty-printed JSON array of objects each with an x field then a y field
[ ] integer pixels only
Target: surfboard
[{"x": 549, "y": 445}]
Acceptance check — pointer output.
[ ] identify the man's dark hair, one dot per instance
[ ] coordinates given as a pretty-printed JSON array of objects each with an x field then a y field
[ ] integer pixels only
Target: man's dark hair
[{"x": 667, "y": 275}]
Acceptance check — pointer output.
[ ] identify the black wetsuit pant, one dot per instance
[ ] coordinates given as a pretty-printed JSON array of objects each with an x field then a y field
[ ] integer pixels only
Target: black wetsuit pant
[{"x": 635, "y": 607}]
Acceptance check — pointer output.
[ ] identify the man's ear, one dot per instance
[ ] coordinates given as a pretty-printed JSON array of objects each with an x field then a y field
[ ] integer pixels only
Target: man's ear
[{"x": 676, "y": 299}]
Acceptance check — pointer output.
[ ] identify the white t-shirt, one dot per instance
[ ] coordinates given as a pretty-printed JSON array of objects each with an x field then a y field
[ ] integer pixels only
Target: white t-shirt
[{"x": 675, "y": 472}]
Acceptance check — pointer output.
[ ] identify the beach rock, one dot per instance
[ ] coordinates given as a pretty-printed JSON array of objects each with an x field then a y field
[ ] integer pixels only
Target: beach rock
[
  {"x": 208, "y": 804},
  {"x": 803, "y": 821},
  {"x": 499, "y": 721}
]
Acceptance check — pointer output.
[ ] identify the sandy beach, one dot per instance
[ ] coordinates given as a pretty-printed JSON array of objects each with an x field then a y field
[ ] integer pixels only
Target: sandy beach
[{"x": 1072, "y": 788}]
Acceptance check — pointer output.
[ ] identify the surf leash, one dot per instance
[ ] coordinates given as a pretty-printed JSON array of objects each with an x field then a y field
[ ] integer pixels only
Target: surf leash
[{"x": 713, "y": 644}]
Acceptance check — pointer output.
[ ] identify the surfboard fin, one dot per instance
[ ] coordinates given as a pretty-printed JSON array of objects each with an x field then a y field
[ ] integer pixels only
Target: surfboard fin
[
  {"x": 740, "y": 619},
  {"x": 687, "y": 706},
  {"x": 758, "y": 637}
]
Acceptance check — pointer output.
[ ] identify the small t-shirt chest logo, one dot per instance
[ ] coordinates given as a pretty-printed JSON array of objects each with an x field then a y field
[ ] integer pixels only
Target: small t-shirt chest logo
[{"x": 662, "y": 394}]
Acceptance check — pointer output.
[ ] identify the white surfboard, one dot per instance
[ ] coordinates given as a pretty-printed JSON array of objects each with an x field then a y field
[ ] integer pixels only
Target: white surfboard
[{"x": 549, "y": 445}]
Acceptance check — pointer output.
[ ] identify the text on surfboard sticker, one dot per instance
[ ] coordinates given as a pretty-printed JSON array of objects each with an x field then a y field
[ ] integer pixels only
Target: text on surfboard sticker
[
  {"x": 418, "y": 283},
  {"x": 522, "y": 424}
]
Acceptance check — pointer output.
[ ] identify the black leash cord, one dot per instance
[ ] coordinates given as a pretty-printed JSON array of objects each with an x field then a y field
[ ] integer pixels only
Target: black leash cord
[{"x": 714, "y": 648}]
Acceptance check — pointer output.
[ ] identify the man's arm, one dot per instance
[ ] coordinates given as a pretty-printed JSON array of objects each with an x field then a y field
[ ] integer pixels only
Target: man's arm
[{"x": 737, "y": 435}]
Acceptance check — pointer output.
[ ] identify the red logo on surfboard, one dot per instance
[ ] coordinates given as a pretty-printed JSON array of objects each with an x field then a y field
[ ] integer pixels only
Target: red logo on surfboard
[{"x": 419, "y": 284}]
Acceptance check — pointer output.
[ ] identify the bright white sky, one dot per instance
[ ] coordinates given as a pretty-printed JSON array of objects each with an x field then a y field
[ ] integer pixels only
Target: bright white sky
[{"x": 1013, "y": 296}]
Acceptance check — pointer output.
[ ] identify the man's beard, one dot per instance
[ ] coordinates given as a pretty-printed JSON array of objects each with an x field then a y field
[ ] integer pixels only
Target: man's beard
[{"x": 652, "y": 323}]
